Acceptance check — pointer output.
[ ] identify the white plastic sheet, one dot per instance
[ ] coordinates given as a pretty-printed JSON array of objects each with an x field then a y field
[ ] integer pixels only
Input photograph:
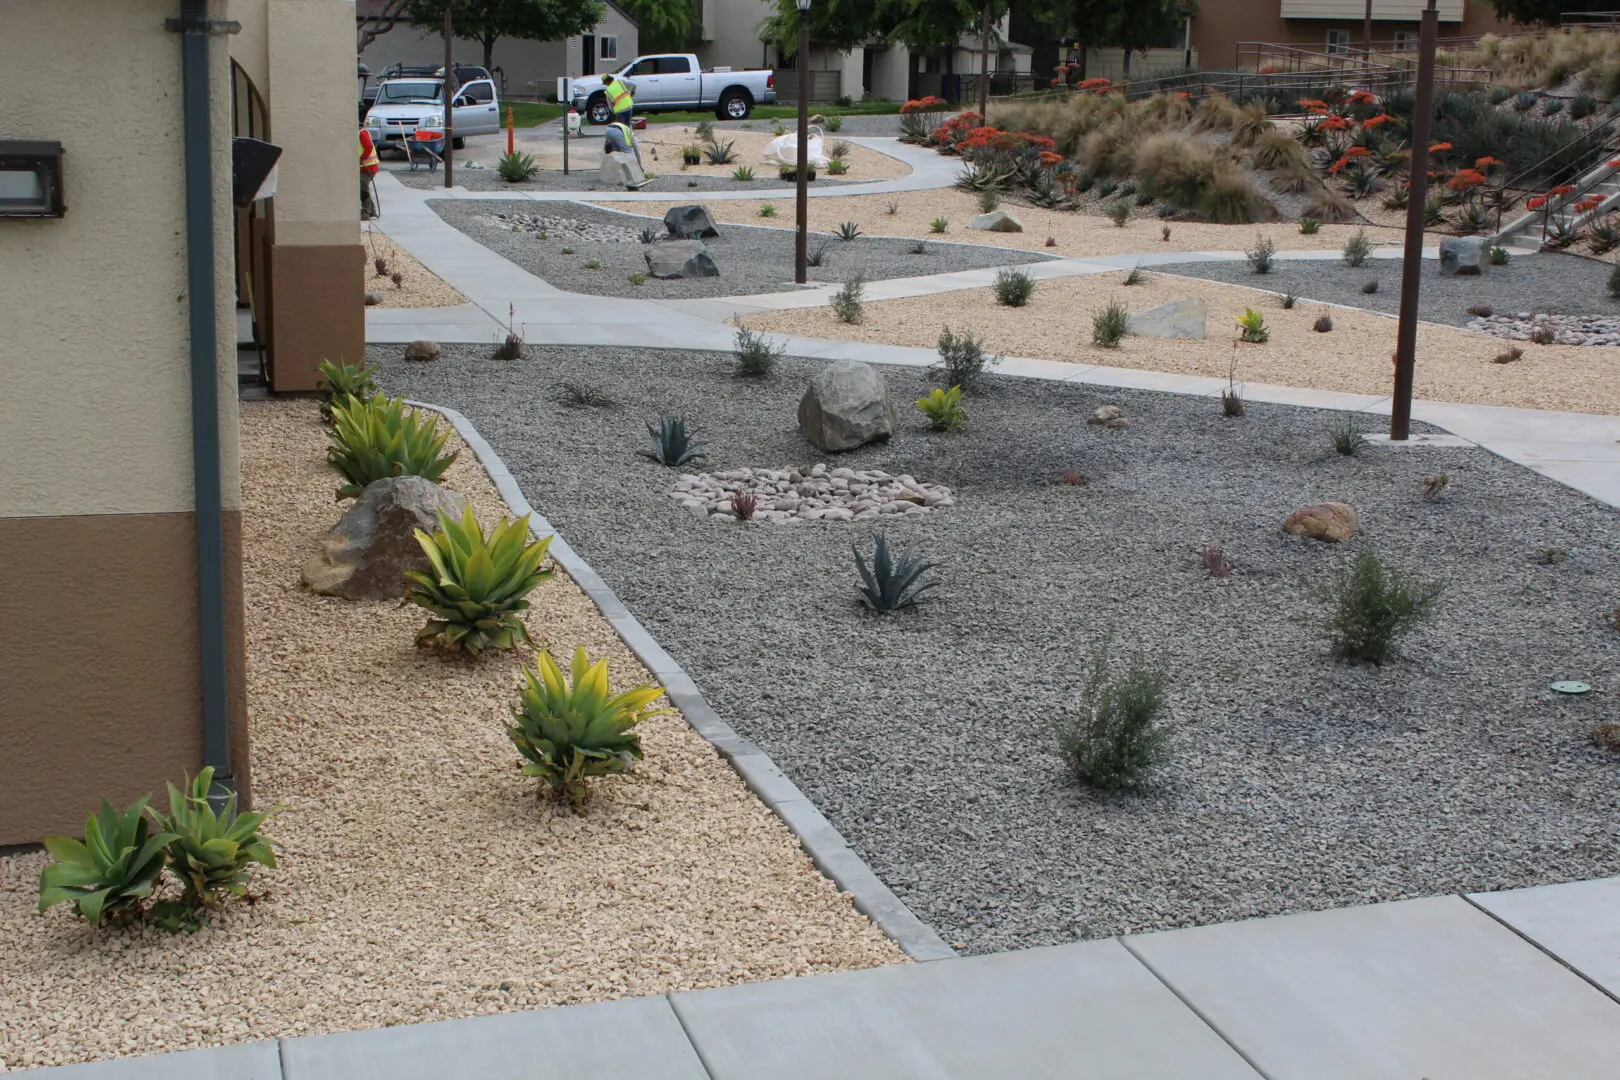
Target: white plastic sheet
[{"x": 784, "y": 149}]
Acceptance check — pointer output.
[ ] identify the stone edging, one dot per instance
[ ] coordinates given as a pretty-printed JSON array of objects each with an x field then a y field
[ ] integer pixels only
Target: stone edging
[{"x": 824, "y": 844}]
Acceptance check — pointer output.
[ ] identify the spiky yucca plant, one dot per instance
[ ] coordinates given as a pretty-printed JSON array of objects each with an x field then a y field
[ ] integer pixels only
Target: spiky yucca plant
[
  {"x": 890, "y": 583},
  {"x": 211, "y": 853},
  {"x": 477, "y": 585},
  {"x": 571, "y": 729},
  {"x": 341, "y": 382},
  {"x": 111, "y": 873},
  {"x": 378, "y": 438}
]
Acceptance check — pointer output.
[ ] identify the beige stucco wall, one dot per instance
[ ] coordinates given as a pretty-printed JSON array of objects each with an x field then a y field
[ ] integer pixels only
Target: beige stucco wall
[
  {"x": 311, "y": 59},
  {"x": 731, "y": 33},
  {"x": 94, "y": 363}
]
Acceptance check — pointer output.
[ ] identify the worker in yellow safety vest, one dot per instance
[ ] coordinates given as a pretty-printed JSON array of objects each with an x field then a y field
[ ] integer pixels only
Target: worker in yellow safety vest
[
  {"x": 369, "y": 166},
  {"x": 620, "y": 96}
]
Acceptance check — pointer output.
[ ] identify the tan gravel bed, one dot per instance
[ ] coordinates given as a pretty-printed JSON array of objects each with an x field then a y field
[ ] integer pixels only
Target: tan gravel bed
[
  {"x": 1077, "y": 234},
  {"x": 420, "y": 879},
  {"x": 1453, "y": 364},
  {"x": 749, "y": 146},
  {"x": 421, "y": 288}
]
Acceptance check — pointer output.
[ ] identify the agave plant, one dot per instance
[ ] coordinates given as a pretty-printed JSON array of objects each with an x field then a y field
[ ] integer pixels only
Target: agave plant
[
  {"x": 571, "y": 729},
  {"x": 211, "y": 853},
  {"x": 477, "y": 585},
  {"x": 378, "y": 438},
  {"x": 889, "y": 583},
  {"x": 674, "y": 443},
  {"x": 340, "y": 382},
  {"x": 943, "y": 409},
  {"x": 516, "y": 167},
  {"x": 111, "y": 873}
]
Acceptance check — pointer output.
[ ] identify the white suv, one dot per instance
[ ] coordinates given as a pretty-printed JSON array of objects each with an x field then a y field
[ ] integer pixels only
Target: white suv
[{"x": 403, "y": 104}]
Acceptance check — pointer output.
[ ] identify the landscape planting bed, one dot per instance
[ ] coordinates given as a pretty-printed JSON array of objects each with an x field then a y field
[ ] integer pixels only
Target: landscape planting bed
[
  {"x": 750, "y": 260},
  {"x": 1298, "y": 782},
  {"x": 419, "y": 877}
]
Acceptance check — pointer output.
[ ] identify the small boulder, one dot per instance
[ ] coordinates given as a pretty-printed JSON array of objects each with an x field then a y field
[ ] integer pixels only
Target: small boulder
[
  {"x": 689, "y": 223},
  {"x": 996, "y": 221},
  {"x": 373, "y": 299},
  {"x": 1107, "y": 415},
  {"x": 1464, "y": 256},
  {"x": 846, "y": 405},
  {"x": 424, "y": 351},
  {"x": 1328, "y": 522},
  {"x": 680, "y": 259},
  {"x": 620, "y": 170},
  {"x": 1177, "y": 319},
  {"x": 368, "y": 551}
]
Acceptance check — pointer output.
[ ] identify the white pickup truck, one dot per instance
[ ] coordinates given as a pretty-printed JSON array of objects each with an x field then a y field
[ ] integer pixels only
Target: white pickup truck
[
  {"x": 671, "y": 82},
  {"x": 404, "y": 103}
]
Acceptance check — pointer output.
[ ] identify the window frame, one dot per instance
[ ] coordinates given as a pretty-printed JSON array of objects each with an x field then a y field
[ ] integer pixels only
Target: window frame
[{"x": 607, "y": 46}]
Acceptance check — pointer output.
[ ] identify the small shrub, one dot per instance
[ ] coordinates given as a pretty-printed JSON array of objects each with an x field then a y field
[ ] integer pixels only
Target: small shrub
[
  {"x": 756, "y": 356},
  {"x": 1323, "y": 324},
  {"x": 1106, "y": 187},
  {"x": 515, "y": 167},
  {"x": 839, "y": 150},
  {"x": 1431, "y": 487},
  {"x": 1289, "y": 299},
  {"x": 593, "y": 264},
  {"x": 989, "y": 200},
  {"x": 636, "y": 277},
  {"x": 1215, "y": 562},
  {"x": 674, "y": 443},
  {"x": 837, "y": 167},
  {"x": 1373, "y": 607},
  {"x": 1013, "y": 287},
  {"x": 1252, "y": 327},
  {"x": 917, "y": 248},
  {"x": 1074, "y": 479},
  {"x": 1481, "y": 311},
  {"x": 1561, "y": 234},
  {"x": 1500, "y": 94},
  {"x": 1513, "y": 353},
  {"x": 1108, "y": 326},
  {"x": 1117, "y": 733},
  {"x": 1331, "y": 206},
  {"x": 1310, "y": 226},
  {"x": 743, "y": 504},
  {"x": 1165, "y": 210},
  {"x": 112, "y": 872},
  {"x": 571, "y": 728},
  {"x": 835, "y": 122},
  {"x": 962, "y": 359},
  {"x": 381, "y": 265},
  {"x": 938, "y": 225},
  {"x": 1051, "y": 241},
  {"x": 1525, "y": 100},
  {"x": 1369, "y": 287},
  {"x": 692, "y": 155},
  {"x": 1499, "y": 256},
  {"x": 567, "y": 251},
  {"x": 1472, "y": 218},
  {"x": 1119, "y": 213},
  {"x": 890, "y": 583},
  {"x": 778, "y": 129},
  {"x": 1552, "y": 556},
  {"x": 1582, "y": 105},
  {"x": 892, "y": 207},
  {"x": 582, "y": 395},
  {"x": 846, "y": 302},
  {"x": 398, "y": 279},
  {"x": 1357, "y": 248},
  {"x": 1348, "y": 439},
  {"x": 943, "y": 409},
  {"x": 1398, "y": 196},
  {"x": 344, "y": 383},
  {"x": 649, "y": 235},
  {"x": 705, "y": 130},
  {"x": 816, "y": 256},
  {"x": 1542, "y": 333},
  {"x": 378, "y": 438},
  {"x": 1604, "y": 236},
  {"x": 789, "y": 174},
  {"x": 720, "y": 153},
  {"x": 476, "y": 585},
  {"x": 1134, "y": 276},
  {"x": 1232, "y": 397},
  {"x": 212, "y": 853},
  {"x": 1126, "y": 189},
  {"x": 1164, "y": 233},
  {"x": 1552, "y": 106},
  {"x": 1361, "y": 182},
  {"x": 1262, "y": 255},
  {"x": 848, "y": 231},
  {"x": 1605, "y": 733},
  {"x": 742, "y": 174}
]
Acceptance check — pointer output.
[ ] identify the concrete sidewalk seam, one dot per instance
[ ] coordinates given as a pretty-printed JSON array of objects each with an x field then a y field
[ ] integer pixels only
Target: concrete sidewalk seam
[
  {"x": 1539, "y": 947},
  {"x": 1194, "y": 1009},
  {"x": 824, "y": 844}
]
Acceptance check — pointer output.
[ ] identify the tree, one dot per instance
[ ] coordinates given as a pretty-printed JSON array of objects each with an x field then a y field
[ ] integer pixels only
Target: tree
[
  {"x": 1138, "y": 25},
  {"x": 664, "y": 25},
  {"x": 1545, "y": 12},
  {"x": 1088, "y": 23},
  {"x": 927, "y": 26},
  {"x": 487, "y": 21},
  {"x": 381, "y": 17}
]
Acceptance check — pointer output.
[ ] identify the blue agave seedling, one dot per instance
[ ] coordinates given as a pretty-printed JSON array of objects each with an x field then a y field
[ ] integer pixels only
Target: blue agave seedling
[
  {"x": 673, "y": 442},
  {"x": 890, "y": 583}
]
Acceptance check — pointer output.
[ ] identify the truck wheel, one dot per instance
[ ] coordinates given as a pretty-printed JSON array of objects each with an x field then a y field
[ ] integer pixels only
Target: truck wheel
[
  {"x": 734, "y": 105},
  {"x": 597, "y": 111},
  {"x": 459, "y": 143}
]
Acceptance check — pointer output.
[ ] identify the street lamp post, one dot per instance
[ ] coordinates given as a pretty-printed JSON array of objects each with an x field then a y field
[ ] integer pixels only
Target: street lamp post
[{"x": 802, "y": 240}]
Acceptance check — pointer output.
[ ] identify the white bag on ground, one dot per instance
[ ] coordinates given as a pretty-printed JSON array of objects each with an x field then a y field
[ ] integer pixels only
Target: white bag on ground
[{"x": 784, "y": 149}]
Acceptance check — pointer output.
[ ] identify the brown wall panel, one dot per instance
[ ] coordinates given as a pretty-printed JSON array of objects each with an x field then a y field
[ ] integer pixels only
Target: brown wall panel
[
  {"x": 317, "y": 311},
  {"x": 99, "y": 689}
]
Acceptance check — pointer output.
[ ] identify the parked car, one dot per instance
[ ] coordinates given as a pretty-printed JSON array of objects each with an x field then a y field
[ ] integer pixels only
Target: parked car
[
  {"x": 671, "y": 82},
  {"x": 404, "y": 103}
]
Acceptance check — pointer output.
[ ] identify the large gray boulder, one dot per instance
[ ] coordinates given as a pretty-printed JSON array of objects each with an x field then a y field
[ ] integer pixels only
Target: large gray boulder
[
  {"x": 1464, "y": 256},
  {"x": 680, "y": 259},
  {"x": 620, "y": 170},
  {"x": 689, "y": 223},
  {"x": 996, "y": 221},
  {"x": 1177, "y": 319},
  {"x": 846, "y": 405},
  {"x": 368, "y": 551}
]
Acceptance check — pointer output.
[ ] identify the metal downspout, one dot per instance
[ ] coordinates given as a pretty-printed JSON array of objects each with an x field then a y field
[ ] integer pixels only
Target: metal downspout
[{"x": 195, "y": 31}]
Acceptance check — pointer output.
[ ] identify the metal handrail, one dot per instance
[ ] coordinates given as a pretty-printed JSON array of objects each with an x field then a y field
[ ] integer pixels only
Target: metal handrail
[{"x": 1598, "y": 135}]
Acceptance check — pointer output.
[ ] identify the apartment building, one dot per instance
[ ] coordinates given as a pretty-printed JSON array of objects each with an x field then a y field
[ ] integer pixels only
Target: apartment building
[{"x": 1221, "y": 27}]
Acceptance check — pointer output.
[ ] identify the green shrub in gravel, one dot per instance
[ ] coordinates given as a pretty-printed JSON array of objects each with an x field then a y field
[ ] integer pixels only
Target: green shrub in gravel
[
  {"x": 962, "y": 359},
  {"x": 516, "y": 167},
  {"x": 1309, "y": 226},
  {"x": 1371, "y": 607},
  {"x": 1500, "y": 256},
  {"x": 989, "y": 200},
  {"x": 846, "y": 302},
  {"x": 1348, "y": 439},
  {"x": 768, "y": 210},
  {"x": 890, "y": 582},
  {"x": 742, "y": 174},
  {"x": 476, "y": 584},
  {"x": 212, "y": 853},
  {"x": 674, "y": 442},
  {"x": 1357, "y": 248},
  {"x": 379, "y": 437},
  {"x": 837, "y": 167},
  {"x": 756, "y": 356},
  {"x": 1119, "y": 212},
  {"x": 720, "y": 153},
  {"x": 1262, "y": 255},
  {"x": 112, "y": 872},
  {"x": 1118, "y": 732},
  {"x": 939, "y": 225},
  {"x": 1012, "y": 287},
  {"x": 343, "y": 383},
  {"x": 1108, "y": 325},
  {"x": 943, "y": 408},
  {"x": 848, "y": 231}
]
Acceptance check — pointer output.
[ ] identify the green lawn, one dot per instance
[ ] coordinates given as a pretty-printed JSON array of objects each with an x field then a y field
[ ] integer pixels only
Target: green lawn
[{"x": 529, "y": 113}]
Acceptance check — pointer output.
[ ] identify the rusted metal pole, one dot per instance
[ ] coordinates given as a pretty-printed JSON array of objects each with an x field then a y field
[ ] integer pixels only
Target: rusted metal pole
[
  {"x": 801, "y": 242},
  {"x": 449, "y": 91},
  {"x": 984, "y": 62},
  {"x": 1400, "y": 409}
]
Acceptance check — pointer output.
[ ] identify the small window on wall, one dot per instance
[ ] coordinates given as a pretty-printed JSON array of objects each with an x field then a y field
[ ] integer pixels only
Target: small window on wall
[
  {"x": 1338, "y": 41},
  {"x": 1406, "y": 40},
  {"x": 610, "y": 48}
]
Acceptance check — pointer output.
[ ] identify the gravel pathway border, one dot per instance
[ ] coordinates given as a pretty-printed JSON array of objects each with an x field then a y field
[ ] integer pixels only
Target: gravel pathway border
[
  {"x": 585, "y": 181},
  {"x": 823, "y": 843},
  {"x": 751, "y": 259}
]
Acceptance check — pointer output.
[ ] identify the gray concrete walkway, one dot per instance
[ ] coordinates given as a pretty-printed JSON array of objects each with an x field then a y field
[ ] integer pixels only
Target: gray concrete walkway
[{"x": 1502, "y": 986}]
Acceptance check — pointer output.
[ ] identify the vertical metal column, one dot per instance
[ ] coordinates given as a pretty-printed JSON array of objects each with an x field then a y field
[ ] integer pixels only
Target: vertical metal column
[{"x": 1400, "y": 410}]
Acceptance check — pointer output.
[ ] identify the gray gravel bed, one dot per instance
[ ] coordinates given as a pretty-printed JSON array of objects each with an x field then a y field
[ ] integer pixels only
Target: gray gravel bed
[
  {"x": 585, "y": 180},
  {"x": 1535, "y": 284},
  {"x": 751, "y": 260},
  {"x": 859, "y": 126},
  {"x": 1299, "y": 782}
]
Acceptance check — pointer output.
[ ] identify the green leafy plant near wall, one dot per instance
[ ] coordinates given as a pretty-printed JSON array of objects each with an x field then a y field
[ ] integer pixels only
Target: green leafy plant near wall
[
  {"x": 111, "y": 873},
  {"x": 212, "y": 854},
  {"x": 476, "y": 585},
  {"x": 379, "y": 438},
  {"x": 342, "y": 382}
]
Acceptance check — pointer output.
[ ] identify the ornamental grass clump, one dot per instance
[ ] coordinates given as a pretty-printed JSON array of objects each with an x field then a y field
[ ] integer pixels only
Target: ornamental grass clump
[
  {"x": 377, "y": 438},
  {"x": 1118, "y": 731},
  {"x": 890, "y": 581},
  {"x": 475, "y": 585},
  {"x": 571, "y": 729},
  {"x": 1371, "y": 607}
]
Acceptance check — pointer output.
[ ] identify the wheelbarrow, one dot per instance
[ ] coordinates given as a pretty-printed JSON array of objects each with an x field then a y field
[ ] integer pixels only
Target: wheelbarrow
[{"x": 425, "y": 146}]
